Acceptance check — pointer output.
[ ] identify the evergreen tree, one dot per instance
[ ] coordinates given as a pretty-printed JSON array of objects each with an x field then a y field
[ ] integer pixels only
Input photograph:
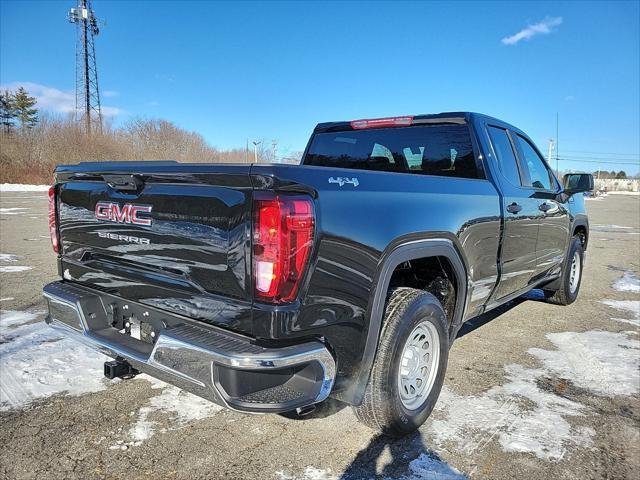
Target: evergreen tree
[
  {"x": 24, "y": 111},
  {"x": 7, "y": 111}
]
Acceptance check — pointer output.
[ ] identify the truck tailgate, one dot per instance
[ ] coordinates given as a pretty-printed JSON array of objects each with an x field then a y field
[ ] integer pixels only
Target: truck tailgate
[{"x": 168, "y": 235}]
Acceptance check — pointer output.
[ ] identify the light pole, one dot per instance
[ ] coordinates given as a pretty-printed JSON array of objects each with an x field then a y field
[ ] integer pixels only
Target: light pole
[
  {"x": 255, "y": 150},
  {"x": 551, "y": 148}
]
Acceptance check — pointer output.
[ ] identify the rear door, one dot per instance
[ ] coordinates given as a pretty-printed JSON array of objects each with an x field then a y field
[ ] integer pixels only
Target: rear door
[
  {"x": 554, "y": 222},
  {"x": 522, "y": 217}
]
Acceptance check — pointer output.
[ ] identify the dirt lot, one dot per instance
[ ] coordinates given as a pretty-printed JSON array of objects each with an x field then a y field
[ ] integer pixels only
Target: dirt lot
[{"x": 539, "y": 392}]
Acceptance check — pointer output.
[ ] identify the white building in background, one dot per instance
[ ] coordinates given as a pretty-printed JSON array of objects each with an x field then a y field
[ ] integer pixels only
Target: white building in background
[{"x": 618, "y": 184}]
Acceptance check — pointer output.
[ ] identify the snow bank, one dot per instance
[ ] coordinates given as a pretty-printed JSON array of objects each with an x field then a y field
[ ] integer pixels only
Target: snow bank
[
  {"x": 36, "y": 362},
  {"x": 623, "y": 192},
  {"x": 19, "y": 187}
]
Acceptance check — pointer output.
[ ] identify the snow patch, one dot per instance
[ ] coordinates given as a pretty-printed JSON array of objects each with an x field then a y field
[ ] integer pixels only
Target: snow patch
[
  {"x": 183, "y": 407},
  {"x": 6, "y": 299},
  {"x": 428, "y": 467},
  {"x": 629, "y": 282},
  {"x": 628, "y": 306},
  {"x": 12, "y": 210},
  {"x": 18, "y": 187},
  {"x": 600, "y": 227},
  {"x": 425, "y": 467},
  {"x": 605, "y": 363},
  {"x": 474, "y": 421},
  {"x": 10, "y": 318},
  {"x": 310, "y": 473},
  {"x": 36, "y": 362},
  {"x": 7, "y": 257},
  {"x": 525, "y": 417},
  {"x": 14, "y": 269}
]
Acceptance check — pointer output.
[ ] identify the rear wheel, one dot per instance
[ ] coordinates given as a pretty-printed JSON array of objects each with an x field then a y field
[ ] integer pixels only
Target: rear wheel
[
  {"x": 410, "y": 364},
  {"x": 571, "y": 276}
]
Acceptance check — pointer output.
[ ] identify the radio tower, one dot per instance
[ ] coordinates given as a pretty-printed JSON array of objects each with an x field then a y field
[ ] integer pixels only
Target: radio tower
[{"x": 87, "y": 92}]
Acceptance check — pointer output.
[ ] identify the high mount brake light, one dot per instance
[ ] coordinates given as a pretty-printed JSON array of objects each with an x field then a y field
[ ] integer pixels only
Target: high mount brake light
[
  {"x": 382, "y": 122},
  {"x": 53, "y": 224},
  {"x": 283, "y": 228}
]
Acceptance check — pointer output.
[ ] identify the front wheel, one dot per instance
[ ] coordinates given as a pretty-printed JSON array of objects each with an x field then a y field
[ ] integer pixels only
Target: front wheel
[
  {"x": 410, "y": 364},
  {"x": 571, "y": 276}
]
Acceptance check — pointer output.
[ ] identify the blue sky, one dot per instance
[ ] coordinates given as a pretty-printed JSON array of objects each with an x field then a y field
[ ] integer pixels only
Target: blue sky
[{"x": 273, "y": 70}]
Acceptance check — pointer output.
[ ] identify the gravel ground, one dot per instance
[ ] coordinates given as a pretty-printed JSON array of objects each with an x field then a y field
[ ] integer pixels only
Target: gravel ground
[{"x": 534, "y": 391}]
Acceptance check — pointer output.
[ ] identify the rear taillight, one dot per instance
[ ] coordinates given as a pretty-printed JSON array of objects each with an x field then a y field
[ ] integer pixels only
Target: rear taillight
[
  {"x": 283, "y": 228},
  {"x": 382, "y": 122},
  {"x": 53, "y": 225}
]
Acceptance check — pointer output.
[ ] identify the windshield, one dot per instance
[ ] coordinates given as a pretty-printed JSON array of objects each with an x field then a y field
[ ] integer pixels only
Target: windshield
[{"x": 442, "y": 149}]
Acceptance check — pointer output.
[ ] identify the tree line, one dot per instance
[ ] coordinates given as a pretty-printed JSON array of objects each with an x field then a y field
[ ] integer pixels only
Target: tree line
[
  {"x": 33, "y": 142},
  {"x": 612, "y": 174}
]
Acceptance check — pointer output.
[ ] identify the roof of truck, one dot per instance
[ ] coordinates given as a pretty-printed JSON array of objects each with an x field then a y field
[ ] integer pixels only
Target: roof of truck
[{"x": 443, "y": 117}]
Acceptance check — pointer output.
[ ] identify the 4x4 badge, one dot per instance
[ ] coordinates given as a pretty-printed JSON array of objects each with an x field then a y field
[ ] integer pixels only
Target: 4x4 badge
[{"x": 342, "y": 180}]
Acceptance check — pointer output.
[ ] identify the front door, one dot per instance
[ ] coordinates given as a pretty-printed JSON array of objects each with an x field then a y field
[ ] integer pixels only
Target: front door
[
  {"x": 522, "y": 218},
  {"x": 554, "y": 224}
]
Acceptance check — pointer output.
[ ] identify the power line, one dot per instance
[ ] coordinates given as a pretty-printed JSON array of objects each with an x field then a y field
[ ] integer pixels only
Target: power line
[
  {"x": 602, "y": 153},
  {"x": 581, "y": 157},
  {"x": 565, "y": 159}
]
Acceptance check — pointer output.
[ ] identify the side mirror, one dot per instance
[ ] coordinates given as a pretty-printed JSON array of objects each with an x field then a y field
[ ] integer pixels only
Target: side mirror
[{"x": 578, "y": 182}]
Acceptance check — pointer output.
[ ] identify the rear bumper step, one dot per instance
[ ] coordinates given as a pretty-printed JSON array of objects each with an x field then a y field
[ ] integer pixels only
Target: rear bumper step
[{"x": 212, "y": 363}]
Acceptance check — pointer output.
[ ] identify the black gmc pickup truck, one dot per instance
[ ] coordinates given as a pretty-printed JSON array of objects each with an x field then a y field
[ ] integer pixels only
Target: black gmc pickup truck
[{"x": 267, "y": 288}]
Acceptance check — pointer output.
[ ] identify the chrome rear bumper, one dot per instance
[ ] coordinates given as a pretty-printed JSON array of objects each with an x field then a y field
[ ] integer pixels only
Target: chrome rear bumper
[{"x": 212, "y": 363}]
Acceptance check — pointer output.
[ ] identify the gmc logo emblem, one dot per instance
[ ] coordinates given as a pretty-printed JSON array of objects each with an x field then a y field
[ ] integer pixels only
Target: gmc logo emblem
[{"x": 128, "y": 213}]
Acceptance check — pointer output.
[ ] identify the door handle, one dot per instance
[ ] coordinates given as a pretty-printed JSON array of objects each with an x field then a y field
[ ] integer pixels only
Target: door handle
[
  {"x": 545, "y": 207},
  {"x": 514, "y": 208}
]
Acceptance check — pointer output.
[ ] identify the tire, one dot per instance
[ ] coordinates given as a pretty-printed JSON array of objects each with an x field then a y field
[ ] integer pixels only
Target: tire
[
  {"x": 411, "y": 317},
  {"x": 570, "y": 280}
]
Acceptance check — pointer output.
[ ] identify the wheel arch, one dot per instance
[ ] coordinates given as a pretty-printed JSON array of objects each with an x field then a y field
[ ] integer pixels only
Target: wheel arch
[
  {"x": 581, "y": 227},
  {"x": 402, "y": 250}
]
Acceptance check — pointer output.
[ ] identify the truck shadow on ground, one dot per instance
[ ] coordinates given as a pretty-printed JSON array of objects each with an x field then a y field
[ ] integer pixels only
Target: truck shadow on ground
[{"x": 388, "y": 457}]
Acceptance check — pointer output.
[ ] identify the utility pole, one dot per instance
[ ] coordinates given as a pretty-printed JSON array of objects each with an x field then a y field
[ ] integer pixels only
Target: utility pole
[
  {"x": 274, "y": 144},
  {"x": 87, "y": 91},
  {"x": 551, "y": 147},
  {"x": 557, "y": 159},
  {"x": 255, "y": 150}
]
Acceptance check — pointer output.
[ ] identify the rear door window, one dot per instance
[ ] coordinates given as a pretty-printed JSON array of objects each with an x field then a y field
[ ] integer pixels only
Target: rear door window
[
  {"x": 442, "y": 149},
  {"x": 539, "y": 175},
  {"x": 505, "y": 155}
]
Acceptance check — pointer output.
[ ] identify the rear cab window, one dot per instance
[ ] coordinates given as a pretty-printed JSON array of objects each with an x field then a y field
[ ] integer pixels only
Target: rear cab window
[
  {"x": 505, "y": 155},
  {"x": 435, "y": 149}
]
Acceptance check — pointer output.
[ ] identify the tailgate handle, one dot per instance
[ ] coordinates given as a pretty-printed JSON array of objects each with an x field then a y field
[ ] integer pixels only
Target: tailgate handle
[{"x": 124, "y": 182}]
